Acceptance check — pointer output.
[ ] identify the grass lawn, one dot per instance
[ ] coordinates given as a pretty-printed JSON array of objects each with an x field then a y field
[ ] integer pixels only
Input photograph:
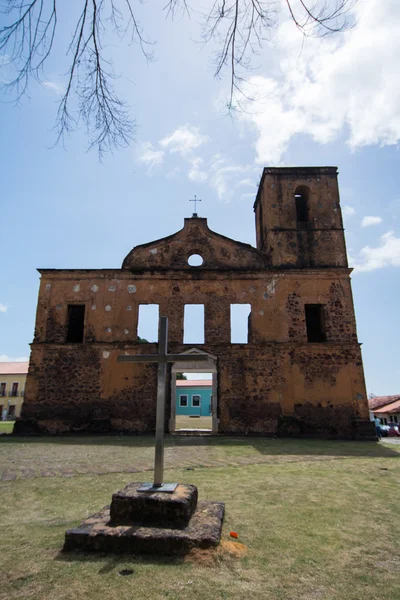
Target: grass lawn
[
  {"x": 6, "y": 426},
  {"x": 318, "y": 520}
]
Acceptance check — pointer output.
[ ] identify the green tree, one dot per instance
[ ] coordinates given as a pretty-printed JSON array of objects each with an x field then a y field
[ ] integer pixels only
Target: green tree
[{"x": 181, "y": 376}]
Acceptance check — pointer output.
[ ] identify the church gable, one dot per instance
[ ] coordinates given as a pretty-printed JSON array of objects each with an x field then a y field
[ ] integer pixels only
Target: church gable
[{"x": 173, "y": 252}]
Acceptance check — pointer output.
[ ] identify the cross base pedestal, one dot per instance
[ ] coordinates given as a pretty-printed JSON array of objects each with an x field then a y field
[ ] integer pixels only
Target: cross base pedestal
[
  {"x": 96, "y": 535},
  {"x": 150, "y": 523},
  {"x": 131, "y": 506}
]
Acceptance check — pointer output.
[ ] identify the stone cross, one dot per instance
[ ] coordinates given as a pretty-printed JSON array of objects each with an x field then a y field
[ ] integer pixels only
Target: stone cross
[{"x": 162, "y": 358}]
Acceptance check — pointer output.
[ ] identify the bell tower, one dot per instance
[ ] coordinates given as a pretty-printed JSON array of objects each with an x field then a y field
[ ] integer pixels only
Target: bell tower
[{"x": 298, "y": 217}]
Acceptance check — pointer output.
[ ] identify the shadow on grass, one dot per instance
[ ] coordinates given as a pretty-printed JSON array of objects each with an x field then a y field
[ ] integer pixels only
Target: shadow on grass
[
  {"x": 262, "y": 445},
  {"x": 116, "y": 561}
]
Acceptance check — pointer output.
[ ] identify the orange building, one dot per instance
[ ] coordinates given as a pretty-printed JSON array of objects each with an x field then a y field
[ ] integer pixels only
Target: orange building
[{"x": 298, "y": 372}]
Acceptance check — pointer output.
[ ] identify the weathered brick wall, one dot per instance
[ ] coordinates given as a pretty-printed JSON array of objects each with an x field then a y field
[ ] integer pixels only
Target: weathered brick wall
[
  {"x": 259, "y": 387},
  {"x": 276, "y": 377},
  {"x": 278, "y": 383},
  {"x": 318, "y": 243}
]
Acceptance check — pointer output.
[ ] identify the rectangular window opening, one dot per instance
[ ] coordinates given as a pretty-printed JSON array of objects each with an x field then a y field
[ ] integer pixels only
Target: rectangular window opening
[
  {"x": 76, "y": 323},
  {"x": 183, "y": 400},
  {"x": 193, "y": 327},
  {"x": 196, "y": 400},
  {"x": 14, "y": 389},
  {"x": 148, "y": 319},
  {"x": 301, "y": 209},
  {"x": 3, "y": 389},
  {"x": 315, "y": 322},
  {"x": 11, "y": 410},
  {"x": 240, "y": 318}
]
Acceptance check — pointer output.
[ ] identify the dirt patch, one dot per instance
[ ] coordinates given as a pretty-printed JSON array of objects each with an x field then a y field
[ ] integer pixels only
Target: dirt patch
[
  {"x": 232, "y": 549},
  {"x": 208, "y": 557}
]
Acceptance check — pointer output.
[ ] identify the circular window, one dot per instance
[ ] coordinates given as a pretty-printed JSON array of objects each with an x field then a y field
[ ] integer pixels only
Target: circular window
[{"x": 195, "y": 260}]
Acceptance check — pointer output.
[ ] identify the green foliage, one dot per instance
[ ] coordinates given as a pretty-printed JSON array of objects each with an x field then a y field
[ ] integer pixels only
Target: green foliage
[
  {"x": 6, "y": 426},
  {"x": 181, "y": 376}
]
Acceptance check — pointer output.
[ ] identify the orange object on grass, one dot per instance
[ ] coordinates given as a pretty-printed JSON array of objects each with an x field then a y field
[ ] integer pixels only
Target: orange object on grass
[{"x": 234, "y": 534}]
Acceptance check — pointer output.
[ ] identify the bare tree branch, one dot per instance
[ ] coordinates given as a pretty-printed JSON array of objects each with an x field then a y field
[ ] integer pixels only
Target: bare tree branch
[
  {"x": 90, "y": 93},
  {"x": 240, "y": 27}
]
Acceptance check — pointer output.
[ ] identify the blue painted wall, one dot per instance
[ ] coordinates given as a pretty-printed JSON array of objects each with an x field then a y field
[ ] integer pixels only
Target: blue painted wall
[{"x": 205, "y": 400}]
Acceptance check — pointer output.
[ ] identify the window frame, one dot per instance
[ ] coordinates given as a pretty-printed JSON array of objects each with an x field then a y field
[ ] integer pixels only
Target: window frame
[
  {"x": 14, "y": 392},
  {"x": 196, "y": 396},
  {"x": 180, "y": 400}
]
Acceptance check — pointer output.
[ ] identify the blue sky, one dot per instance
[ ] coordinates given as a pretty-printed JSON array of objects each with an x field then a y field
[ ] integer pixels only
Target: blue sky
[{"x": 332, "y": 101}]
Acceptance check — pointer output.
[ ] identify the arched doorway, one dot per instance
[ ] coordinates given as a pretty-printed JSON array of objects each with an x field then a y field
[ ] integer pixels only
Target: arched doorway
[{"x": 209, "y": 366}]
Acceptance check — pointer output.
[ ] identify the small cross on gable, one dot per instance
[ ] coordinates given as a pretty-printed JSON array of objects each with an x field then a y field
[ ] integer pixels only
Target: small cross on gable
[{"x": 195, "y": 200}]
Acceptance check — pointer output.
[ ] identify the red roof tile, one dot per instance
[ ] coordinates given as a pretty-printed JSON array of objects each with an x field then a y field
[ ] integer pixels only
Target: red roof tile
[
  {"x": 393, "y": 407},
  {"x": 378, "y": 401},
  {"x": 194, "y": 383}
]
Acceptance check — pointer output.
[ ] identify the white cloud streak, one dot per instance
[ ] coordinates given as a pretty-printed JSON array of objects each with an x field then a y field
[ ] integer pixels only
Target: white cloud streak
[
  {"x": 184, "y": 139},
  {"x": 224, "y": 176},
  {"x": 368, "y": 221},
  {"x": 196, "y": 173},
  {"x": 3, "y": 308},
  {"x": 151, "y": 157},
  {"x": 348, "y": 211},
  {"x": 57, "y": 88},
  {"x": 387, "y": 254}
]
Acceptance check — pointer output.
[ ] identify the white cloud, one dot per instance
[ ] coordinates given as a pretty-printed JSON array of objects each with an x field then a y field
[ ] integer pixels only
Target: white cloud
[
  {"x": 220, "y": 173},
  {"x": 344, "y": 83},
  {"x": 224, "y": 174},
  {"x": 368, "y": 221},
  {"x": 175, "y": 173},
  {"x": 3, "y": 308},
  {"x": 387, "y": 254},
  {"x": 195, "y": 172},
  {"x": 6, "y": 358},
  {"x": 184, "y": 139},
  {"x": 246, "y": 182},
  {"x": 348, "y": 211},
  {"x": 53, "y": 86},
  {"x": 150, "y": 156}
]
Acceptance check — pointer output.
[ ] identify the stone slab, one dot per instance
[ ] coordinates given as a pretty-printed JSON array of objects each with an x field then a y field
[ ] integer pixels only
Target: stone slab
[
  {"x": 154, "y": 509},
  {"x": 96, "y": 534}
]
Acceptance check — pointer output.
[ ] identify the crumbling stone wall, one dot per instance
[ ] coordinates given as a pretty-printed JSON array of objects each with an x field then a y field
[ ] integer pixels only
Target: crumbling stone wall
[{"x": 277, "y": 383}]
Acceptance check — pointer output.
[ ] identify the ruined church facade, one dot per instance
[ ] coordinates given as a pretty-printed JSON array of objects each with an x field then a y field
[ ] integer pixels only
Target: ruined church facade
[{"x": 300, "y": 372}]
